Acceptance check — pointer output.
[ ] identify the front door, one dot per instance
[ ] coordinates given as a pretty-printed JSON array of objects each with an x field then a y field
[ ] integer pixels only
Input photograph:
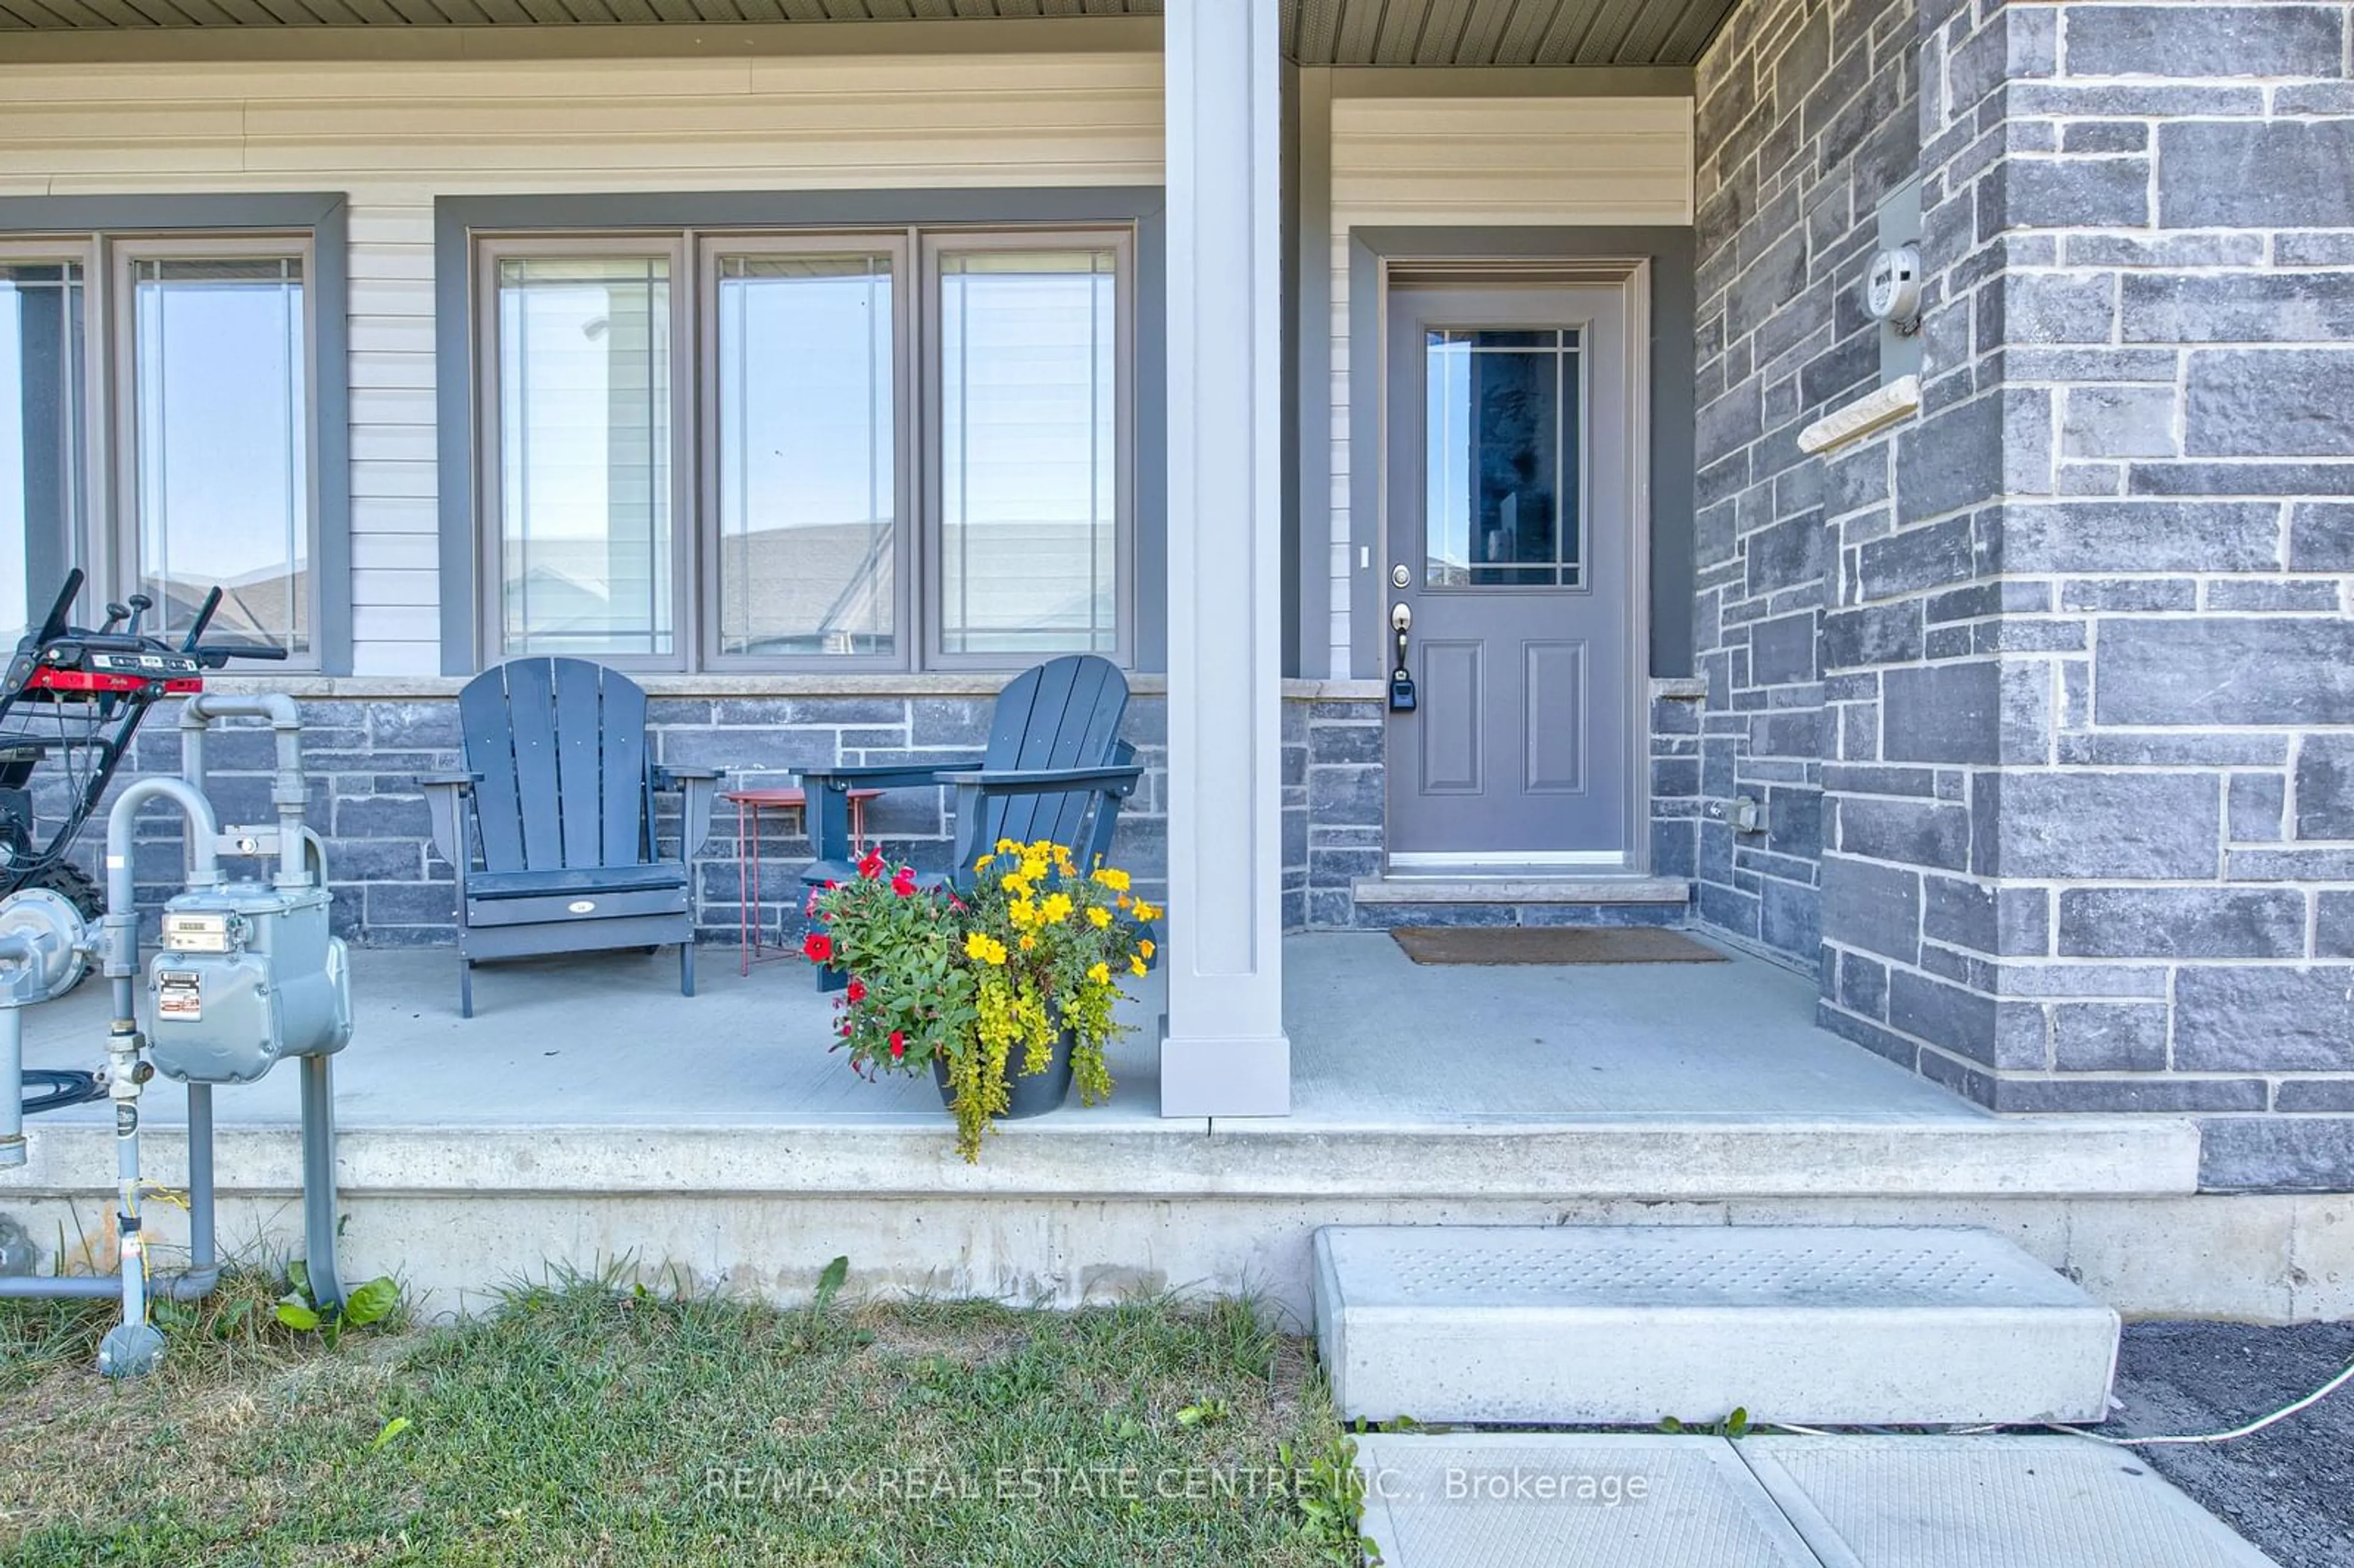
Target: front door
[{"x": 1511, "y": 535}]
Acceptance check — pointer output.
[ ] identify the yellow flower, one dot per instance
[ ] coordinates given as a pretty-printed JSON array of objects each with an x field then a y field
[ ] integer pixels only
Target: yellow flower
[
  {"x": 1022, "y": 912},
  {"x": 1055, "y": 910},
  {"x": 1012, "y": 882},
  {"x": 1099, "y": 916},
  {"x": 983, "y": 864},
  {"x": 1028, "y": 941},
  {"x": 1145, "y": 950},
  {"x": 982, "y": 946},
  {"x": 1136, "y": 966},
  {"x": 1007, "y": 846},
  {"x": 1101, "y": 974},
  {"x": 1113, "y": 878},
  {"x": 1145, "y": 911}
]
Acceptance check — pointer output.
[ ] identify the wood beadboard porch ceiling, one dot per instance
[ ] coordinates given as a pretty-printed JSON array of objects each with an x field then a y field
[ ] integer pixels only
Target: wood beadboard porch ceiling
[{"x": 1315, "y": 32}]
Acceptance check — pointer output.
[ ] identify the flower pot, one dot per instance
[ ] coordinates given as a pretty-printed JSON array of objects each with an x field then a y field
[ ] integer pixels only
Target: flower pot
[{"x": 1026, "y": 1094}]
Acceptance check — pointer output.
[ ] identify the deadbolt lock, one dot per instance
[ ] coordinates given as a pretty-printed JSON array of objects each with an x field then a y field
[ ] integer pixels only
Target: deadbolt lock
[{"x": 1400, "y": 577}]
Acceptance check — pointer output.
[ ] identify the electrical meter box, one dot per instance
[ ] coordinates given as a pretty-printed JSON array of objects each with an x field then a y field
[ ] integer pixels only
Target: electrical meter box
[{"x": 247, "y": 973}]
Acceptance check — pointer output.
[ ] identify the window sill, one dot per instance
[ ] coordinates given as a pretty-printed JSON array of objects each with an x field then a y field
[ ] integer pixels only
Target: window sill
[{"x": 806, "y": 683}]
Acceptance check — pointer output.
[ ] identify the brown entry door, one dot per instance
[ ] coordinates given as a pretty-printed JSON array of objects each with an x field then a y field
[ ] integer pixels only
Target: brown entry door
[{"x": 1511, "y": 534}]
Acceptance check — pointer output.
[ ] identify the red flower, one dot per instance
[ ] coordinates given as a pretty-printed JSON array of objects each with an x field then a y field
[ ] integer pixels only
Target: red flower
[
  {"x": 904, "y": 883},
  {"x": 857, "y": 991},
  {"x": 872, "y": 866},
  {"x": 818, "y": 947},
  {"x": 898, "y": 1045}
]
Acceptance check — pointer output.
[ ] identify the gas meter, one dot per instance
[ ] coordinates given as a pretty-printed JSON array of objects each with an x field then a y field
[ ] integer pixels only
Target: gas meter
[{"x": 248, "y": 973}]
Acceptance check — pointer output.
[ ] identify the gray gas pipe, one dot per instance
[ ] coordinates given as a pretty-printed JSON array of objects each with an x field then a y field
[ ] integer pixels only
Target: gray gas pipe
[{"x": 247, "y": 972}]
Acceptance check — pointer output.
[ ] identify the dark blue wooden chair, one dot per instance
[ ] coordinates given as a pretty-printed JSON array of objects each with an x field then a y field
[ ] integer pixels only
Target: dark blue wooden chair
[
  {"x": 1055, "y": 768},
  {"x": 551, "y": 822}
]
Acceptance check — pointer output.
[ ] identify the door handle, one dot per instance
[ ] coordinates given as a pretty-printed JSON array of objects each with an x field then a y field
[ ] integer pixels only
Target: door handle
[{"x": 1402, "y": 699}]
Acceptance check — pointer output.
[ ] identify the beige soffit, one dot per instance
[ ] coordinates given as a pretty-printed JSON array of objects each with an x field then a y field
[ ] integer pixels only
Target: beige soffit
[{"x": 1315, "y": 32}]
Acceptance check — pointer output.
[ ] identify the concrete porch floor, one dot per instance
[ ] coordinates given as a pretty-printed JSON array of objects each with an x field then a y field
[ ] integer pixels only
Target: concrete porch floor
[
  {"x": 1378, "y": 1044},
  {"x": 1639, "y": 1081},
  {"x": 588, "y": 1114}
]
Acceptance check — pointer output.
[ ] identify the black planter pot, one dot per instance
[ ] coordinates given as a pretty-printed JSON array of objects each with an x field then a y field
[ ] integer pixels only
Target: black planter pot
[{"x": 1026, "y": 1094}]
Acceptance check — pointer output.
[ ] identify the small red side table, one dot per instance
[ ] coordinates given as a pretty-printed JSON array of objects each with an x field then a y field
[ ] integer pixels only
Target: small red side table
[{"x": 749, "y": 804}]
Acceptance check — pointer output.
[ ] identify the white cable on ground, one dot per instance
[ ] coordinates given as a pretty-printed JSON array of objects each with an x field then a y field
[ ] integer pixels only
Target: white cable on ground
[{"x": 2283, "y": 1414}]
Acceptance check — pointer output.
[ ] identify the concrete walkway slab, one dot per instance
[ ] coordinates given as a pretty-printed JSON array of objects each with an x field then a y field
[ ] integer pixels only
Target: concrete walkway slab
[
  {"x": 1641, "y": 1501},
  {"x": 1532, "y": 1501},
  {"x": 1993, "y": 1501}
]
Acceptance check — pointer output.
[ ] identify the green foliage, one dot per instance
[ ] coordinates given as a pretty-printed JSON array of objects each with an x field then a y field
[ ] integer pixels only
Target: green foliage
[
  {"x": 830, "y": 1282},
  {"x": 986, "y": 984},
  {"x": 361, "y": 1307},
  {"x": 1394, "y": 1424},
  {"x": 585, "y": 1419},
  {"x": 1330, "y": 1493},
  {"x": 910, "y": 995},
  {"x": 1736, "y": 1426}
]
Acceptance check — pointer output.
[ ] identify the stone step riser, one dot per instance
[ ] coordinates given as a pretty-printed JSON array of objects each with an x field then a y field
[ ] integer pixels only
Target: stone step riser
[{"x": 1627, "y": 1325}]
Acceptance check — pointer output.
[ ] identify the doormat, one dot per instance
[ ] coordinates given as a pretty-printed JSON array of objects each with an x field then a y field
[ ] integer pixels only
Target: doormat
[{"x": 1551, "y": 944}]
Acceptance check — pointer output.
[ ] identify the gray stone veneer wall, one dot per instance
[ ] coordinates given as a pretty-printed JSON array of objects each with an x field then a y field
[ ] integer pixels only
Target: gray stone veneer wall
[
  {"x": 2169, "y": 338},
  {"x": 2088, "y": 674},
  {"x": 363, "y": 754},
  {"x": 2085, "y": 688},
  {"x": 1341, "y": 827},
  {"x": 1334, "y": 804},
  {"x": 1806, "y": 119}
]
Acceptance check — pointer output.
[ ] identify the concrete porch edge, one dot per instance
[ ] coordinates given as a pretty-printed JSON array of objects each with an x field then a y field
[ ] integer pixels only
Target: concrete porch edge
[{"x": 1246, "y": 1159}]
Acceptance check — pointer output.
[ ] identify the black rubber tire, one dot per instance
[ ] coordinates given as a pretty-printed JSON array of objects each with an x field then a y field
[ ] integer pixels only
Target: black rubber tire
[{"x": 76, "y": 887}]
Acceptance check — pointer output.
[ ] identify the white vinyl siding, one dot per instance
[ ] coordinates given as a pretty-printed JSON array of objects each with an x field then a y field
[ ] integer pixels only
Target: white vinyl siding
[
  {"x": 395, "y": 136},
  {"x": 1426, "y": 163}
]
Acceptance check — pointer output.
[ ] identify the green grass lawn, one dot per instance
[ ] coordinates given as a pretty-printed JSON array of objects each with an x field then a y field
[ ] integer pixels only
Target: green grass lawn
[{"x": 585, "y": 1423}]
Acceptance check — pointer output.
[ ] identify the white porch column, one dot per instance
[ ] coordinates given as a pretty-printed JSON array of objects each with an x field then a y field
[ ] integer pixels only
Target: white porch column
[{"x": 1225, "y": 1052}]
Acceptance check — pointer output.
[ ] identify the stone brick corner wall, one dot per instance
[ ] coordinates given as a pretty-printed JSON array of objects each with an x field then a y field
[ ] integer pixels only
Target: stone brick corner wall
[
  {"x": 1806, "y": 121},
  {"x": 2091, "y": 825}
]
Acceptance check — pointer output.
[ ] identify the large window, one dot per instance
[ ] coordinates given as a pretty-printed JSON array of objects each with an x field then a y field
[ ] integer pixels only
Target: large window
[
  {"x": 217, "y": 451},
  {"x": 806, "y": 454},
  {"x": 584, "y": 442},
  {"x": 157, "y": 428},
  {"x": 892, "y": 450},
  {"x": 1029, "y": 450},
  {"x": 43, "y": 431}
]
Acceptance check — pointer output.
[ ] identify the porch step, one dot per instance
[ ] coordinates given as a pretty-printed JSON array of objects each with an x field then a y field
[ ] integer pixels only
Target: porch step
[
  {"x": 1435, "y": 889},
  {"x": 1622, "y": 1325}
]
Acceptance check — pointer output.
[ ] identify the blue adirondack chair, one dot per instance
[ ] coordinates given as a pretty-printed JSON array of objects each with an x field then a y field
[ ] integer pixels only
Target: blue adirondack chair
[
  {"x": 1054, "y": 769},
  {"x": 555, "y": 803}
]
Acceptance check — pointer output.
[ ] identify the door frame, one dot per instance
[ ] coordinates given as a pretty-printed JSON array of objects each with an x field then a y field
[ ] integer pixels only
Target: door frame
[{"x": 1631, "y": 275}]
